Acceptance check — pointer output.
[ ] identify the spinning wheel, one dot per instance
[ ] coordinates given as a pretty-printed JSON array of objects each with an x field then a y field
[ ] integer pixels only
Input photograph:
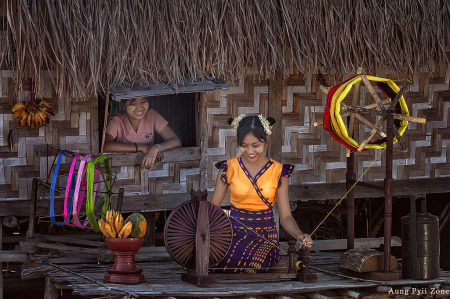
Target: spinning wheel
[
  {"x": 336, "y": 109},
  {"x": 180, "y": 233},
  {"x": 198, "y": 235},
  {"x": 396, "y": 116}
]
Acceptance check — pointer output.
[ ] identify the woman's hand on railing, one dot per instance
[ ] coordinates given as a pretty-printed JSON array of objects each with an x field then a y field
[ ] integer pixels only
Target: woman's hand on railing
[{"x": 152, "y": 154}]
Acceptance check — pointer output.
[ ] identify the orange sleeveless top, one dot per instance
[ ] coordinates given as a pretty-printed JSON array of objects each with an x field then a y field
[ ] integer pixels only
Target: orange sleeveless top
[{"x": 250, "y": 193}]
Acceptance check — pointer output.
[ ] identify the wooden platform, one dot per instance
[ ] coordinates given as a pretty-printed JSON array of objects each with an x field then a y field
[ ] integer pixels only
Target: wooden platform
[{"x": 163, "y": 279}]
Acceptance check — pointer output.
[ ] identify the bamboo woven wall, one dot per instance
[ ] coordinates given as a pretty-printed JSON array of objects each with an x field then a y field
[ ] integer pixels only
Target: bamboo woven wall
[
  {"x": 68, "y": 129},
  {"x": 317, "y": 157},
  {"x": 71, "y": 129}
]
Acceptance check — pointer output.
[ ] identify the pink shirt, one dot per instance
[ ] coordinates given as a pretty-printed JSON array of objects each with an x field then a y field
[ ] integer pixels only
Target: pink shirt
[{"x": 120, "y": 129}]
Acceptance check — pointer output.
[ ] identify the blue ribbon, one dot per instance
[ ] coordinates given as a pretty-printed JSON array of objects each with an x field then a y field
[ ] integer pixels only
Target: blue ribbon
[{"x": 52, "y": 189}]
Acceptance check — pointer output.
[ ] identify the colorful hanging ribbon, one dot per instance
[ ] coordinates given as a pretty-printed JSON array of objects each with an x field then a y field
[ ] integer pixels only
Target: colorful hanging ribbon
[
  {"x": 52, "y": 188},
  {"x": 91, "y": 194},
  {"x": 78, "y": 197},
  {"x": 71, "y": 184},
  {"x": 90, "y": 201}
]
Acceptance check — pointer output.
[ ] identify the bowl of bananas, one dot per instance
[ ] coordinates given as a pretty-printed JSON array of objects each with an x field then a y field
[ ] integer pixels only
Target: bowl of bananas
[{"x": 124, "y": 239}]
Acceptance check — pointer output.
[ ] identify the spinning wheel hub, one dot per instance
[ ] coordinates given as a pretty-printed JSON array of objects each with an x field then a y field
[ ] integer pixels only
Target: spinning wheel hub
[{"x": 180, "y": 233}]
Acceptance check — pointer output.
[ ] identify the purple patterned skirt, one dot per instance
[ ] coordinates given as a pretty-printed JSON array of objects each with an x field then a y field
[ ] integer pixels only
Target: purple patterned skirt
[{"x": 255, "y": 247}]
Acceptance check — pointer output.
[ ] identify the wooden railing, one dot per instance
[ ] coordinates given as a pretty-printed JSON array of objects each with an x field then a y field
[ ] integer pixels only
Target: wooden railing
[{"x": 174, "y": 155}]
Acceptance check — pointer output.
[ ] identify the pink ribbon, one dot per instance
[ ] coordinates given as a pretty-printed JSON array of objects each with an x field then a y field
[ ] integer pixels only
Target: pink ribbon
[
  {"x": 76, "y": 202},
  {"x": 69, "y": 181}
]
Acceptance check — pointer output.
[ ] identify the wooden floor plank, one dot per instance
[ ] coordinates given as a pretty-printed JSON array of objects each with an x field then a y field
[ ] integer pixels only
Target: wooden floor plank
[{"x": 163, "y": 279}]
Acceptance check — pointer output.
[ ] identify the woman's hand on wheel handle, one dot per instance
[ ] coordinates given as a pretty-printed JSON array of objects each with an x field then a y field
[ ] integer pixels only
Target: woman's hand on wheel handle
[{"x": 304, "y": 239}]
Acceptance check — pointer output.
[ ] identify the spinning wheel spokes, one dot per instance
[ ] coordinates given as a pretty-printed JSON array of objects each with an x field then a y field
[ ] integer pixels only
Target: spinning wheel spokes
[
  {"x": 384, "y": 111},
  {"x": 180, "y": 231}
]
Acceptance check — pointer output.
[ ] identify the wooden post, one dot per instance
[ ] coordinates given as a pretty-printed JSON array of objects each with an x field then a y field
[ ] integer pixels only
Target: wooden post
[
  {"x": 1, "y": 264},
  {"x": 202, "y": 240},
  {"x": 105, "y": 121},
  {"x": 50, "y": 289},
  {"x": 388, "y": 191},
  {"x": 203, "y": 142},
  {"x": 291, "y": 252},
  {"x": 120, "y": 200},
  {"x": 350, "y": 177},
  {"x": 94, "y": 126},
  {"x": 150, "y": 234},
  {"x": 277, "y": 92},
  {"x": 34, "y": 195}
]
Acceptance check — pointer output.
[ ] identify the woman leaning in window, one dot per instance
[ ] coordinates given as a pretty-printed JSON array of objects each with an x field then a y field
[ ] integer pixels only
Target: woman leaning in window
[{"x": 133, "y": 130}]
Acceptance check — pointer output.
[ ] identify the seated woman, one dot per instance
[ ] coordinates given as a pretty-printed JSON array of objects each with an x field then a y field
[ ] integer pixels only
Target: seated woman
[
  {"x": 254, "y": 181},
  {"x": 133, "y": 130}
]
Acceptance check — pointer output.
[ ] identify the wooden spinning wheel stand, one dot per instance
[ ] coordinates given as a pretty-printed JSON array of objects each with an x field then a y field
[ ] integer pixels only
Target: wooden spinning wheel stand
[
  {"x": 387, "y": 115},
  {"x": 198, "y": 235}
]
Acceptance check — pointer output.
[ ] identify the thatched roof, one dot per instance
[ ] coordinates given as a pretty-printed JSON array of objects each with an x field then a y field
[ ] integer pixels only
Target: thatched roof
[{"x": 92, "y": 45}]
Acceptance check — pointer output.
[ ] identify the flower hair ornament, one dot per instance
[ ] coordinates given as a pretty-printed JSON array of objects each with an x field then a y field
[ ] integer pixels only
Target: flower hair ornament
[
  {"x": 235, "y": 123},
  {"x": 266, "y": 124}
]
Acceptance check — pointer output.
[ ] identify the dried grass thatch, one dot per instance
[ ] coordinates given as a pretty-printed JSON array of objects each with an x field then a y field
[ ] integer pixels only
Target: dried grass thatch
[{"x": 92, "y": 45}]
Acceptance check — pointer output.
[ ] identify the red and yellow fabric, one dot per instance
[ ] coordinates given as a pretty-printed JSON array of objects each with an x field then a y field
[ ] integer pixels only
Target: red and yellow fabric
[{"x": 332, "y": 120}]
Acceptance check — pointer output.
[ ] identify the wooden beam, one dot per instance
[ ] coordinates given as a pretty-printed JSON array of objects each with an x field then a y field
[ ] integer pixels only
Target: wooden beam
[
  {"x": 277, "y": 92},
  {"x": 150, "y": 233},
  {"x": 105, "y": 121},
  {"x": 160, "y": 202},
  {"x": 340, "y": 244},
  {"x": 95, "y": 147},
  {"x": 74, "y": 235},
  {"x": 32, "y": 209},
  {"x": 1, "y": 264},
  {"x": 74, "y": 241},
  {"x": 50, "y": 291},
  {"x": 401, "y": 188},
  {"x": 365, "y": 260},
  {"x": 12, "y": 256},
  {"x": 64, "y": 247},
  {"x": 174, "y": 155},
  {"x": 203, "y": 142}
]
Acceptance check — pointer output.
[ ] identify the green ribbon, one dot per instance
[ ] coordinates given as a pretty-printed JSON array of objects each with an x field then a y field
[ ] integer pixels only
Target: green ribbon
[{"x": 90, "y": 189}]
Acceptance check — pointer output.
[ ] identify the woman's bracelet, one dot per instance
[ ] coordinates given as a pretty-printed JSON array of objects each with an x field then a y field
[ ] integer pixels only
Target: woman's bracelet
[
  {"x": 136, "y": 147},
  {"x": 159, "y": 146}
]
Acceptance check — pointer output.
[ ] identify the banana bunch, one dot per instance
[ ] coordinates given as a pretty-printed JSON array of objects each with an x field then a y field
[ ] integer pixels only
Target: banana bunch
[
  {"x": 34, "y": 116},
  {"x": 113, "y": 226}
]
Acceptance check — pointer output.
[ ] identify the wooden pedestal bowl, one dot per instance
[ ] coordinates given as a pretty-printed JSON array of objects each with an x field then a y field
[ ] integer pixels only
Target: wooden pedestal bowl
[{"x": 124, "y": 269}]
